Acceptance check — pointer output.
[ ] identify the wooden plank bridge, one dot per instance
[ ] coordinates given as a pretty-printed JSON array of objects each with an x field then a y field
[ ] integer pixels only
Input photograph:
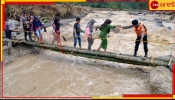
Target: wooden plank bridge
[{"x": 109, "y": 56}]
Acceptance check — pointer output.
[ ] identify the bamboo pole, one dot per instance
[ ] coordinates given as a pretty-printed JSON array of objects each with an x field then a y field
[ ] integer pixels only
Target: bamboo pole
[{"x": 101, "y": 55}]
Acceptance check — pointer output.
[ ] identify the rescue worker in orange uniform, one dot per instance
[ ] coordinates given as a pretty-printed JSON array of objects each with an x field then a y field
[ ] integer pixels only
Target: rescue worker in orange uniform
[{"x": 141, "y": 32}]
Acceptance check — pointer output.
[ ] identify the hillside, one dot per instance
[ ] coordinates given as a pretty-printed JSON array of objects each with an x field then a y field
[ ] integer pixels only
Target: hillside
[
  {"x": 71, "y": 10},
  {"x": 47, "y": 12}
]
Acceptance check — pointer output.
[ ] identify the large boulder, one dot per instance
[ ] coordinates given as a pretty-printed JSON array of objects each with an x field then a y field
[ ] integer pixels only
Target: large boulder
[{"x": 161, "y": 80}]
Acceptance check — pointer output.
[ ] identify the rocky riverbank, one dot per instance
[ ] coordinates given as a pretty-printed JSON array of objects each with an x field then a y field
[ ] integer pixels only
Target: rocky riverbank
[{"x": 47, "y": 12}]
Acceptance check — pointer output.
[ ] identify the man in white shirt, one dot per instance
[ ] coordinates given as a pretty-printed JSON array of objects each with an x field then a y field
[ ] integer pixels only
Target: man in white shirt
[{"x": 11, "y": 24}]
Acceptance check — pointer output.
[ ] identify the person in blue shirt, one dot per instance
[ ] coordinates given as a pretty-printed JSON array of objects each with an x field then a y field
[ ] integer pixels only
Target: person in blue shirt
[{"x": 37, "y": 28}]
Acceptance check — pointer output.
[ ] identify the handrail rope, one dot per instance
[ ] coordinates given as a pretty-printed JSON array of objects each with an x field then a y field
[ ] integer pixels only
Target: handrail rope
[
  {"x": 116, "y": 49},
  {"x": 128, "y": 40},
  {"x": 122, "y": 38},
  {"x": 152, "y": 41},
  {"x": 140, "y": 40},
  {"x": 163, "y": 49},
  {"x": 151, "y": 61}
]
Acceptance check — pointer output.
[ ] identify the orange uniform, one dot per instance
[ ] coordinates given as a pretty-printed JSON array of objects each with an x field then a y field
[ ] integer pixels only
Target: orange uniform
[{"x": 139, "y": 29}]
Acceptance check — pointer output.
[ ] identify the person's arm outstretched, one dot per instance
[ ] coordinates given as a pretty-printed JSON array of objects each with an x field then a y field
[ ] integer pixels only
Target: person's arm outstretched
[{"x": 127, "y": 27}]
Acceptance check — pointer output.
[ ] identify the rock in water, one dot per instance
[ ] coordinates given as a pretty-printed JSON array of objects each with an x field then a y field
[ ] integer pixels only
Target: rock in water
[
  {"x": 169, "y": 28},
  {"x": 161, "y": 80},
  {"x": 35, "y": 50},
  {"x": 141, "y": 19},
  {"x": 159, "y": 23}
]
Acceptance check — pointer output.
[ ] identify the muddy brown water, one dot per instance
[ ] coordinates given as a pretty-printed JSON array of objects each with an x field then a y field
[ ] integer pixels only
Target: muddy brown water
[{"x": 55, "y": 74}]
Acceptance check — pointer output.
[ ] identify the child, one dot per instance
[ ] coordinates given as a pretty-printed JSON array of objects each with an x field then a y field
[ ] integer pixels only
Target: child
[
  {"x": 89, "y": 30},
  {"x": 76, "y": 32}
]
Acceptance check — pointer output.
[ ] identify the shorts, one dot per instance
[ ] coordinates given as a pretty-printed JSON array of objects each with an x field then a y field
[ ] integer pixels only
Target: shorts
[{"x": 38, "y": 33}]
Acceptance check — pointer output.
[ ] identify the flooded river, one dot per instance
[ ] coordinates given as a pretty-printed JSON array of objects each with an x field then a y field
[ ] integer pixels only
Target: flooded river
[
  {"x": 55, "y": 74},
  {"x": 51, "y": 73}
]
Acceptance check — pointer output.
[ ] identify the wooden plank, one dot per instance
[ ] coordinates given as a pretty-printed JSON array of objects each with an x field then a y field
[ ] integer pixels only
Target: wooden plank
[{"x": 100, "y": 55}]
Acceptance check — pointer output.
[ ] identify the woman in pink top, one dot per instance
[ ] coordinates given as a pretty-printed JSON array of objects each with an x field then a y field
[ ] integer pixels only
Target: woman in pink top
[{"x": 88, "y": 33}]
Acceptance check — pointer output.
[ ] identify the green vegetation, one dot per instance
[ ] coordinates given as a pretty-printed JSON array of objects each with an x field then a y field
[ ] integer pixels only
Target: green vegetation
[
  {"x": 68, "y": 10},
  {"x": 117, "y": 5},
  {"x": 171, "y": 17}
]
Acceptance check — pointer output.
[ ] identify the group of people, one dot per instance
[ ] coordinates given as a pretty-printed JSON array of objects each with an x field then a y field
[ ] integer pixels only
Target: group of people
[
  {"x": 139, "y": 29},
  {"x": 32, "y": 24}
]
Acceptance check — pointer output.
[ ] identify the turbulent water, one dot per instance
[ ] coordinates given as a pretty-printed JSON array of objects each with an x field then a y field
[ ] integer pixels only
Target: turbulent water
[{"x": 55, "y": 74}]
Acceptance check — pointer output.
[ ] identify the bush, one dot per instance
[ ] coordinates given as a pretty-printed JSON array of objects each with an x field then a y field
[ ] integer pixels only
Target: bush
[{"x": 171, "y": 17}]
